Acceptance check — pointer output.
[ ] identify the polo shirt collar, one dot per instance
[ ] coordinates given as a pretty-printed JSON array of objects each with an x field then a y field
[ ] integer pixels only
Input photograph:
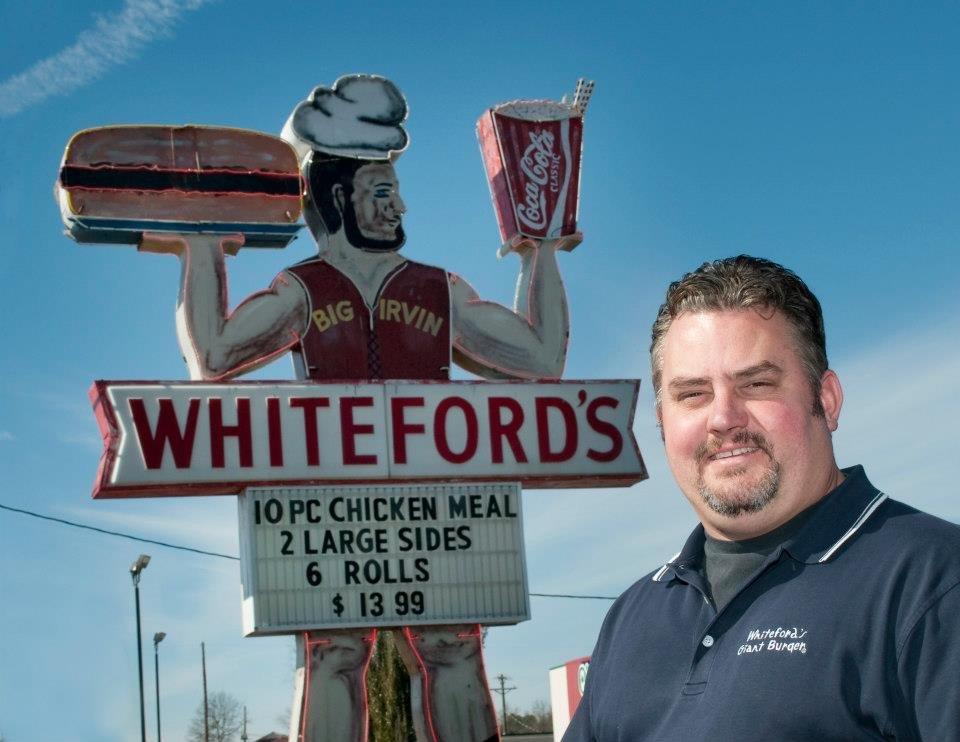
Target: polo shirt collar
[
  {"x": 689, "y": 556},
  {"x": 835, "y": 520}
]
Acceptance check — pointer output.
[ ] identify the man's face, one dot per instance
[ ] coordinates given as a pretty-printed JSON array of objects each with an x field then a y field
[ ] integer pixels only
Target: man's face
[
  {"x": 372, "y": 214},
  {"x": 737, "y": 411}
]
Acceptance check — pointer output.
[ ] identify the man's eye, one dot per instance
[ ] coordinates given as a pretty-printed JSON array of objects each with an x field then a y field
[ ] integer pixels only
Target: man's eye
[
  {"x": 382, "y": 194},
  {"x": 688, "y": 396}
]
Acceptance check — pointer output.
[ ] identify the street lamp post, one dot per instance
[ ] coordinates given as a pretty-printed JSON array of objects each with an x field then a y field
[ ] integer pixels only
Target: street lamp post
[
  {"x": 157, "y": 638},
  {"x": 135, "y": 569}
]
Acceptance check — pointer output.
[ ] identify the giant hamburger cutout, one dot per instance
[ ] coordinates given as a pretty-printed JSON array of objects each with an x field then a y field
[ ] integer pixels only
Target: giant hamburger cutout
[{"x": 117, "y": 182}]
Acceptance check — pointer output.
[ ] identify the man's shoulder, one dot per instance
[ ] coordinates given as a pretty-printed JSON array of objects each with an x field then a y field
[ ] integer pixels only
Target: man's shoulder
[
  {"x": 650, "y": 607},
  {"x": 904, "y": 529},
  {"x": 641, "y": 595},
  {"x": 915, "y": 563},
  {"x": 911, "y": 557}
]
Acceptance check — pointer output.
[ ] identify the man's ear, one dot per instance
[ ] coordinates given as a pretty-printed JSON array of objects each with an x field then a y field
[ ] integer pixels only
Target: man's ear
[
  {"x": 339, "y": 197},
  {"x": 831, "y": 398}
]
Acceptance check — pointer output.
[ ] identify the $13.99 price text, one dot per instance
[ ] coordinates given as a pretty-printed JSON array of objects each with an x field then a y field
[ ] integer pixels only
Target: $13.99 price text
[{"x": 375, "y": 604}]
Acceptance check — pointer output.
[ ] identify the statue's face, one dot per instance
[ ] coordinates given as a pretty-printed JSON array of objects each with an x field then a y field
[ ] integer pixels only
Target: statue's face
[{"x": 377, "y": 208}]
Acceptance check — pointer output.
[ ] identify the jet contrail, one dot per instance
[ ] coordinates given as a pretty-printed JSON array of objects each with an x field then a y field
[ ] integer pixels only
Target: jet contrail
[{"x": 111, "y": 41}]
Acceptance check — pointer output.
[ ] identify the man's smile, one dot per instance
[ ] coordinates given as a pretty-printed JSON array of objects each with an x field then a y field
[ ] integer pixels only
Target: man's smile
[{"x": 732, "y": 453}]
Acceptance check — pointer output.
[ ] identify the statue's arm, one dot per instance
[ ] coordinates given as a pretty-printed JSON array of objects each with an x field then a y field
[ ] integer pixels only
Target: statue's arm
[
  {"x": 528, "y": 341},
  {"x": 216, "y": 343}
]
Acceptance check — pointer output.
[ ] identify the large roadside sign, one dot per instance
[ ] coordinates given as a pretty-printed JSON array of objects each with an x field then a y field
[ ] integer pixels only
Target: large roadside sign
[
  {"x": 196, "y": 438},
  {"x": 373, "y": 492},
  {"x": 339, "y": 557}
]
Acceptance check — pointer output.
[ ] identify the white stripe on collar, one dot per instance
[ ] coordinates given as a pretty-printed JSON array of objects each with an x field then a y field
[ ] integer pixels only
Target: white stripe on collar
[
  {"x": 659, "y": 575},
  {"x": 857, "y": 524}
]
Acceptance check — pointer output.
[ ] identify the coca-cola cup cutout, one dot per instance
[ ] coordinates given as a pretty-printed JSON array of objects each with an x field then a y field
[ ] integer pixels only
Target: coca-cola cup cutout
[{"x": 531, "y": 152}]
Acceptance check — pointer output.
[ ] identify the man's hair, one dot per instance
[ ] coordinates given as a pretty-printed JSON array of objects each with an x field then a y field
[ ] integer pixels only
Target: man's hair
[
  {"x": 742, "y": 283},
  {"x": 324, "y": 172}
]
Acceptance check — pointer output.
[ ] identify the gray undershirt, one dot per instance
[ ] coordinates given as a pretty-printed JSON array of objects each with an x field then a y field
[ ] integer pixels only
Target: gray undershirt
[{"x": 727, "y": 565}]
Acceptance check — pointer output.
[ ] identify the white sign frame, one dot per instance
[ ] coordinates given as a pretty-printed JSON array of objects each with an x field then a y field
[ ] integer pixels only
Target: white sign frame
[
  {"x": 370, "y": 432},
  {"x": 280, "y": 597}
]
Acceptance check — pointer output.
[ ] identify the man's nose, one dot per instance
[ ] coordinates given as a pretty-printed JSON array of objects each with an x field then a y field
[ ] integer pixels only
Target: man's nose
[
  {"x": 397, "y": 203},
  {"x": 727, "y": 412}
]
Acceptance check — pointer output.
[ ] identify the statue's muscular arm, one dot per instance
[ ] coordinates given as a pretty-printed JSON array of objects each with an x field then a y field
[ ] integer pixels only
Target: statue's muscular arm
[
  {"x": 529, "y": 341},
  {"x": 218, "y": 344}
]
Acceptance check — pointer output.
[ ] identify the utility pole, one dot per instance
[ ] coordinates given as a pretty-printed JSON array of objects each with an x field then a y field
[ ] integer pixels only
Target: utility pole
[
  {"x": 503, "y": 690},
  {"x": 206, "y": 709},
  {"x": 243, "y": 737}
]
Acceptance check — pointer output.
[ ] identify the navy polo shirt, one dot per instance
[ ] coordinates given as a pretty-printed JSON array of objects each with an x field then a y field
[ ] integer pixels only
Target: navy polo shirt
[{"x": 849, "y": 631}]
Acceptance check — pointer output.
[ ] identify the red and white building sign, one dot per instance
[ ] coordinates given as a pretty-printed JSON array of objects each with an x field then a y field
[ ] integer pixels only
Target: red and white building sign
[
  {"x": 566, "y": 690},
  {"x": 198, "y": 438}
]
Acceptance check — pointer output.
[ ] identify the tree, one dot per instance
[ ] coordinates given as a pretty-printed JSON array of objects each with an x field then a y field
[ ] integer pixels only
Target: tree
[
  {"x": 225, "y": 719},
  {"x": 388, "y": 691},
  {"x": 537, "y": 719}
]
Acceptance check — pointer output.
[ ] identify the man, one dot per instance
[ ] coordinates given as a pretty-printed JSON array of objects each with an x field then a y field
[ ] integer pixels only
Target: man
[
  {"x": 807, "y": 605},
  {"x": 359, "y": 310}
]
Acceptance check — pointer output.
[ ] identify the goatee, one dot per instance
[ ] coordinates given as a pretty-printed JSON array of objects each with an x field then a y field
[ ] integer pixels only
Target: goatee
[
  {"x": 357, "y": 239},
  {"x": 749, "y": 498}
]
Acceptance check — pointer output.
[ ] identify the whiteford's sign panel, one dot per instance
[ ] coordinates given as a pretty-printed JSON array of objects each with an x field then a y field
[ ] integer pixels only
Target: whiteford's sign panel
[
  {"x": 334, "y": 557},
  {"x": 200, "y": 438}
]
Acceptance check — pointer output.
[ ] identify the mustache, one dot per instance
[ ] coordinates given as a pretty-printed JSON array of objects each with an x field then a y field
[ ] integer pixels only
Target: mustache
[{"x": 749, "y": 438}]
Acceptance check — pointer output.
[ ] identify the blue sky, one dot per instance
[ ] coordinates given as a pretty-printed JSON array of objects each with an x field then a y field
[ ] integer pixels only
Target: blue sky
[{"x": 822, "y": 135}]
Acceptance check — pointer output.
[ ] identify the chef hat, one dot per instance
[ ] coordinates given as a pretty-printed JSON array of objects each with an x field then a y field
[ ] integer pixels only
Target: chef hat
[{"x": 360, "y": 116}]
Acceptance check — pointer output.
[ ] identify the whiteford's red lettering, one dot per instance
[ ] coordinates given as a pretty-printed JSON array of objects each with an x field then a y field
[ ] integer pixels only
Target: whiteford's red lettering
[{"x": 212, "y": 437}]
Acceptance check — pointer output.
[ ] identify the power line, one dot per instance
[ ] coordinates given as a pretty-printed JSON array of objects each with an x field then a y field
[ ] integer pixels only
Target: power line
[
  {"x": 563, "y": 595},
  {"x": 204, "y": 552},
  {"x": 118, "y": 533}
]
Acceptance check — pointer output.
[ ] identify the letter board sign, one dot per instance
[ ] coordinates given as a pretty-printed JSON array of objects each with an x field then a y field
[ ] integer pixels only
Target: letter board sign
[{"x": 384, "y": 555}]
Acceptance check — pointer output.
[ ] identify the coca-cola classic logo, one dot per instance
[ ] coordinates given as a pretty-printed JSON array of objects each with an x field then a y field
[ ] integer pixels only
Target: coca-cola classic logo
[{"x": 541, "y": 168}]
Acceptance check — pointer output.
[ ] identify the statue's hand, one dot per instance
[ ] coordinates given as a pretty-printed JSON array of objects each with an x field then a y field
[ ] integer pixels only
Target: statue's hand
[
  {"x": 570, "y": 241},
  {"x": 163, "y": 243},
  {"x": 521, "y": 244},
  {"x": 176, "y": 244}
]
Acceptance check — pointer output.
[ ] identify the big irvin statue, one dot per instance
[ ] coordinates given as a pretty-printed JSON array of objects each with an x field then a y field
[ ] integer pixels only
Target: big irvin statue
[
  {"x": 357, "y": 311},
  {"x": 361, "y": 310}
]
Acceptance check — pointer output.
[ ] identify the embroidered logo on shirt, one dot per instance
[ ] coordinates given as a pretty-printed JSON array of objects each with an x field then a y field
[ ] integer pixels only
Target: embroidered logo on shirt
[{"x": 778, "y": 639}]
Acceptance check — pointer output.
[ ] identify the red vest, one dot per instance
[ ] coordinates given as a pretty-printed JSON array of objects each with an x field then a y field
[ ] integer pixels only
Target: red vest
[{"x": 404, "y": 335}]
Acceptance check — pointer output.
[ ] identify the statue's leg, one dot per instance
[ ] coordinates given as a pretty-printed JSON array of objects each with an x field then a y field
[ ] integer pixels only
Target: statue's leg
[
  {"x": 453, "y": 703},
  {"x": 330, "y": 695}
]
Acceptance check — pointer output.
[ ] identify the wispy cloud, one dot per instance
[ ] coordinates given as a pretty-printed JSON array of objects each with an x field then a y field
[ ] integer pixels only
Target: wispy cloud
[
  {"x": 112, "y": 40},
  {"x": 6, "y": 435},
  {"x": 899, "y": 416}
]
